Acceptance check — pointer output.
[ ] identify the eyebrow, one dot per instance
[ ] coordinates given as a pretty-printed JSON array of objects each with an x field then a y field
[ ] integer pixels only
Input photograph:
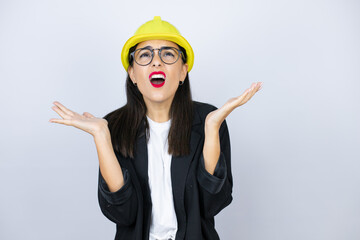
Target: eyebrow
[{"x": 150, "y": 47}]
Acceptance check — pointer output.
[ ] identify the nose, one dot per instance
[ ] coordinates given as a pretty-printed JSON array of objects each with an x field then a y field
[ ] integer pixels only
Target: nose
[{"x": 156, "y": 60}]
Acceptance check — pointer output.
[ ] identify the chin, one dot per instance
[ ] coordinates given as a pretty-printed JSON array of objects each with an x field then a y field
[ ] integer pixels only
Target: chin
[{"x": 159, "y": 98}]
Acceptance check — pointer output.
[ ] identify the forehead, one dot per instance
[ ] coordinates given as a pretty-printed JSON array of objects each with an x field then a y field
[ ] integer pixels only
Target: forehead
[{"x": 156, "y": 43}]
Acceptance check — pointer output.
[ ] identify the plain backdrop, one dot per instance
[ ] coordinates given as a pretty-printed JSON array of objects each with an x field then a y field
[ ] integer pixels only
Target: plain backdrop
[{"x": 295, "y": 144}]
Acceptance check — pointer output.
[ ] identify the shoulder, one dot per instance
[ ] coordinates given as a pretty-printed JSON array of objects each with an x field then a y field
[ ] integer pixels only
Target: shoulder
[{"x": 201, "y": 110}]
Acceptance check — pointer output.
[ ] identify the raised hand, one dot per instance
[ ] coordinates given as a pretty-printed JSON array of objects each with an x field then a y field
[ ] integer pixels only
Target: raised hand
[
  {"x": 215, "y": 118},
  {"x": 213, "y": 121},
  {"x": 86, "y": 122}
]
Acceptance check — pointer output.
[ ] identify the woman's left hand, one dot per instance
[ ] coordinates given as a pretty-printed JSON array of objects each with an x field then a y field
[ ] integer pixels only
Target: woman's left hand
[{"x": 215, "y": 118}]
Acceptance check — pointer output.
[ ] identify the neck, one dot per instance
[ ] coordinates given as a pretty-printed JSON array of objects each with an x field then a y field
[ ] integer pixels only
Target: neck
[{"x": 158, "y": 112}]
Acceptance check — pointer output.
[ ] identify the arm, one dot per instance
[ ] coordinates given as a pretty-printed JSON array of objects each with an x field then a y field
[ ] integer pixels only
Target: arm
[
  {"x": 116, "y": 196},
  {"x": 211, "y": 150},
  {"x": 109, "y": 166},
  {"x": 214, "y": 172}
]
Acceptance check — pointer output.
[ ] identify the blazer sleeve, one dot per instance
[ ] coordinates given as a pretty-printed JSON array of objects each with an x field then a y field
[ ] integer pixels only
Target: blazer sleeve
[
  {"x": 119, "y": 207},
  {"x": 216, "y": 190}
]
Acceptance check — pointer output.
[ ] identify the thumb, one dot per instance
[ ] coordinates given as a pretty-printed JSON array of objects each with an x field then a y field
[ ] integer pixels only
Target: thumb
[{"x": 86, "y": 114}]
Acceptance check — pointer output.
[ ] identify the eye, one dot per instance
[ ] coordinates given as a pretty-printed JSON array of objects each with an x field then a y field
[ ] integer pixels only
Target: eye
[
  {"x": 144, "y": 55},
  {"x": 169, "y": 54}
]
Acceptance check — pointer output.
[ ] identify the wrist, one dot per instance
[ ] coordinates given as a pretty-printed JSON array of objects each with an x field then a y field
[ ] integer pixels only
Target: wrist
[
  {"x": 211, "y": 128},
  {"x": 102, "y": 132}
]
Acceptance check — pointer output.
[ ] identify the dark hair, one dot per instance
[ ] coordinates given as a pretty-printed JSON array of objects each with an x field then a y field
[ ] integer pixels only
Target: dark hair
[{"x": 126, "y": 122}]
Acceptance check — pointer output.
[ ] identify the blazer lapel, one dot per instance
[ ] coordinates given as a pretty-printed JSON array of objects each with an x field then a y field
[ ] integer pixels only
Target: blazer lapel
[
  {"x": 140, "y": 162},
  {"x": 179, "y": 171}
]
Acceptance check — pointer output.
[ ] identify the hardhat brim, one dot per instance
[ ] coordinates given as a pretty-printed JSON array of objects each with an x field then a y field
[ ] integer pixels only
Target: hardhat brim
[{"x": 165, "y": 36}]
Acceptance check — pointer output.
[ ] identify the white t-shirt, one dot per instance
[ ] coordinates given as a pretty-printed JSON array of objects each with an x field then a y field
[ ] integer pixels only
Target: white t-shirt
[{"x": 163, "y": 224}]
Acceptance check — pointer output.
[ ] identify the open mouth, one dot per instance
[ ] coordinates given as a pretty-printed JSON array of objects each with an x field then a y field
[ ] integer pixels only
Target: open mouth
[
  {"x": 157, "y": 82},
  {"x": 157, "y": 79}
]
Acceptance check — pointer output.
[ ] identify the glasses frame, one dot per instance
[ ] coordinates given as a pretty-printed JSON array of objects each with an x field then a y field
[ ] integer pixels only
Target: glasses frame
[{"x": 132, "y": 54}]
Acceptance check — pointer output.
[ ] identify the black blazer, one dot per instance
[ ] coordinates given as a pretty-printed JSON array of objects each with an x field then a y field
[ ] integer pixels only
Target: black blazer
[{"x": 198, "y": 195}]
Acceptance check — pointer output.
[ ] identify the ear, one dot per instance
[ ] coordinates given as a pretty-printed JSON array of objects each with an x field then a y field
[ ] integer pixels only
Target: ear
[
  {"x": 184, "y": 70},
  {"x": 131, "y": 74}
]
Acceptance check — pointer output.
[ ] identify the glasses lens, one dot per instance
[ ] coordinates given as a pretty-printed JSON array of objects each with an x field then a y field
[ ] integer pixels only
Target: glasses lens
[
  {"x": 169, "y": 55},
  {"x": 143, "y": 56}
]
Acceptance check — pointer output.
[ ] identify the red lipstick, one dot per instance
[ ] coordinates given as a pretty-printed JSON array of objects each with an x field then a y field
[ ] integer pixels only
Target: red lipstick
[{"x": 157, "y": 83}]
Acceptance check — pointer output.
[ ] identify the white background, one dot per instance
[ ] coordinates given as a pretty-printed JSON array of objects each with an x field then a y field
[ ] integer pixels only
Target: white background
[{"x": 295, "y": 144}]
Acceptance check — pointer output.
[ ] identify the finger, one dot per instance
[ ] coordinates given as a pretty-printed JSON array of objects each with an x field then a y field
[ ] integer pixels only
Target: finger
[
  {"x": 254, "y": 88},
  {"x": 59, "y": 111},
  {"x": 86, "y": 114},
  {"x": 248, "y": 96},
  {"x": 62, "y": 121},
  {"x": 242, "y": 99},
  {"x": 63, "y": 108},
  {"x": 257, "y": 86}
]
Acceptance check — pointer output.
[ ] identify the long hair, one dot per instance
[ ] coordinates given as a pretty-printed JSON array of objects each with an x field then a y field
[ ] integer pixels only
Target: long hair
[{"x": 126, "y": 122}]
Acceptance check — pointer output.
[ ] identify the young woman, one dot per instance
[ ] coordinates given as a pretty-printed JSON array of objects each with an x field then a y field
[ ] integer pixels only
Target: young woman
[{"x": 164, "y": 159}]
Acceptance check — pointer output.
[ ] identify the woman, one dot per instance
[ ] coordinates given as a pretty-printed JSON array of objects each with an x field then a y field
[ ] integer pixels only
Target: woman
[{"x": 164, "y": 159}]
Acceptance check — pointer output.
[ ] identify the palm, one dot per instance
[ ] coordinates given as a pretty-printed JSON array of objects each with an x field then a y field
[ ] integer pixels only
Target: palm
[
  {"x": 86, "y": 122},
  {"x": 217, "y": 116}
]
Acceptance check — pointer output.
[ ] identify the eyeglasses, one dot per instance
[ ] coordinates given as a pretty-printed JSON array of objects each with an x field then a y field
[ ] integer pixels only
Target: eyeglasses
[{"x": 144, "y": 56}]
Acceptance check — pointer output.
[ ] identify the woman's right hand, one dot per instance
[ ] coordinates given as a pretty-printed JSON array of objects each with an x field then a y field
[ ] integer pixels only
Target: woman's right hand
[{"x": 86, "y": 122}]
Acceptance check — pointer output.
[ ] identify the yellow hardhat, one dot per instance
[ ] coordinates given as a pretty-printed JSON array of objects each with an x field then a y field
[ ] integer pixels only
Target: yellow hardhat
[{"x": 157, "y": 29}]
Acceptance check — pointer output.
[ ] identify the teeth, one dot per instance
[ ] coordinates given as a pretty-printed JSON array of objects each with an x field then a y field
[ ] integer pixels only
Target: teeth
[{"x": 158, "y": 76}]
